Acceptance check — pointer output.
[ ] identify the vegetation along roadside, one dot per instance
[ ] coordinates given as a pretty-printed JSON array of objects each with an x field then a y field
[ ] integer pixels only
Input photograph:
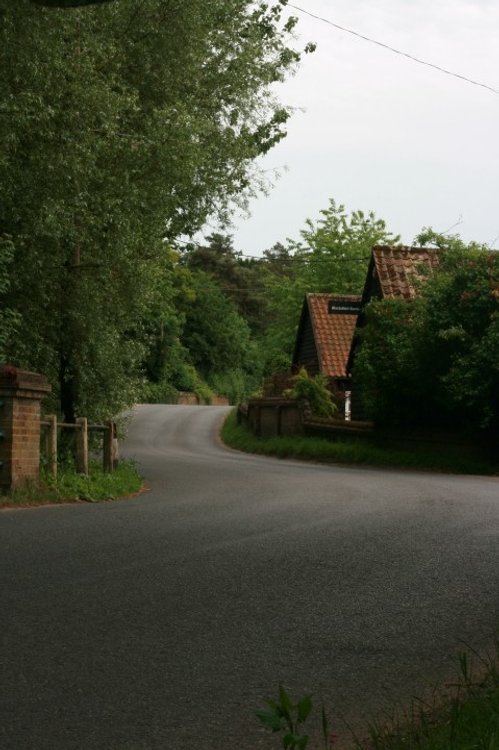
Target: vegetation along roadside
[
  {"x": 462, "y": 715},
  {"x": 95, "y": 487},
  {"x": 352, "y": 451}
]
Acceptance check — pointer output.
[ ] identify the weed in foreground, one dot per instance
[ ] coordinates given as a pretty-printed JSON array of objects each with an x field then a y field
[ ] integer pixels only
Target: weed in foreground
[
  {"x": 287, "y": 718},
  {"x": 465, "y": 718},
  {"x": 468, "y": 719}
]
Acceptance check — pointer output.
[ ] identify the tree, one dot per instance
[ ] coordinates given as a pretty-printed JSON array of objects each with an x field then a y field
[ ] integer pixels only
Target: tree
[
  {"x": 240, "y": 278},
  {"x": 435, "y": 361},
  {"x": 8, "y": 318},
  {"x": 122, "y": 127},
  {"x": 332, "y": 257},
  {"x": 68, "y": 3},
  {"x": 219, "y": 340}
]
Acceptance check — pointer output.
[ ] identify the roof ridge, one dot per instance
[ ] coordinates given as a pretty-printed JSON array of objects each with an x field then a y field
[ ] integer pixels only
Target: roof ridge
[
  {"x": 330, "y": 295},
  {"x": 408, "y": 248}
]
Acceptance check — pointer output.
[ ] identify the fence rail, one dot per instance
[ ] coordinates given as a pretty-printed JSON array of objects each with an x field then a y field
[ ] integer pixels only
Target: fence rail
[{"x": 82, "y": 428}]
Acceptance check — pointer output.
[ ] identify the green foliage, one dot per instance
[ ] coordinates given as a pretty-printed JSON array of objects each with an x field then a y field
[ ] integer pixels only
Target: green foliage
[
  {"x": 69, "y": 486},
  {"x": 235, "y": 384},
  {"x": 363, "y": 451},
  {"x": 435, "y": 361},
  {"x": 158, "y": 393},
  {"x": 387, "y": 365},
  {"x": 238, "y": 277},
  {"x": 315, "y": 391},
  {"x": 466, "y": 720},
  {"x": 331, "y": 257},
  {"x": 8, "y": 318},
  {"x": 181, "y": 377},
  {"x": 122, "y": 126},
  {"x": 68, "y": 3},
  {"x": 287, "y": 718},
  {"x": 215, "y": 334}
]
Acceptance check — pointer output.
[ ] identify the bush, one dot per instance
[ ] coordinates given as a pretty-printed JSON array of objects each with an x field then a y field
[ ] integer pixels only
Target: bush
[
  {"x": 434, "y": 361},
  {"x": 159, "y": 393},
  {"x": 315, "y": 391},
  {"x": 235, "y": 384}
]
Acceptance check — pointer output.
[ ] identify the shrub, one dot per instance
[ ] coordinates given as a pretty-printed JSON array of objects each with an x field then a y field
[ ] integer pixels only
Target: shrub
[{"x": 315, "y": 391}]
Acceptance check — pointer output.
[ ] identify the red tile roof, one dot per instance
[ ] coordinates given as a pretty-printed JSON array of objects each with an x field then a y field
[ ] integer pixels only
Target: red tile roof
[
  {"x": 333, "y": 332},
  {"x": 400, "y": 268}
]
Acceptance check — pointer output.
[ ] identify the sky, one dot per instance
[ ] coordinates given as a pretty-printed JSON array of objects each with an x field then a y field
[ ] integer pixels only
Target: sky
[{"x": 377, "y": 132}]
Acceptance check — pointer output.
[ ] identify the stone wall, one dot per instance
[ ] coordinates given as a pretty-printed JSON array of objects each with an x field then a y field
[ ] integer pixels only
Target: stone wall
[
  {"x": 187, "y": 398},
  {"x": 273, "y": 417}
]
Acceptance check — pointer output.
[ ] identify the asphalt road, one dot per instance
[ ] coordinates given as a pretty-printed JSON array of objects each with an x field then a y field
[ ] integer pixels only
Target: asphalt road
[{"x": 164, "y": 620}]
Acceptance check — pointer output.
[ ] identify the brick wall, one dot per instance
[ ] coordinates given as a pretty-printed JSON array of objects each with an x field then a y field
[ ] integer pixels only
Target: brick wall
[{"x": 21, "y": 394}]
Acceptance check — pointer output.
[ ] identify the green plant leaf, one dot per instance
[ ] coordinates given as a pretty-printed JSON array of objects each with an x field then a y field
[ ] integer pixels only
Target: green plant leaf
[
  {"x": 286, "y": 706},
  {"x": 304, "y": 707},
  {"x": 270, "y": 719}
]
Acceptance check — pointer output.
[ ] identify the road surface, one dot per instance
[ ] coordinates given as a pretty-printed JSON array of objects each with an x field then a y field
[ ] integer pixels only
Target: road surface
[{"x": 163, "y": 621}]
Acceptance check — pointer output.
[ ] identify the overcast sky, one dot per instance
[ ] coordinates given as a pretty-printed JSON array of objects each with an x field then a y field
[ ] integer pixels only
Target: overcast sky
[{"x": 376, "y": 131}]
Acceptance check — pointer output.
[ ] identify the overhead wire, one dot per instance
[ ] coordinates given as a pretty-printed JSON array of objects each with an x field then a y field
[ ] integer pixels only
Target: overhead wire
[
  {"x": 396, "y": 51},
  {"x": 265, "y": 259}
]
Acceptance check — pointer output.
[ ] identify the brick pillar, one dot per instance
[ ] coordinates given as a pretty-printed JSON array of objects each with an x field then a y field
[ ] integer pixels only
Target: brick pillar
[{"x": 21, "y": 394}]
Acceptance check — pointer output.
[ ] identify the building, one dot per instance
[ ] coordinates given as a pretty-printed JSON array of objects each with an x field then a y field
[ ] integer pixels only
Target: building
[
  {"x": 324, "y": 338},
  {"x": 398, "y": 271},
  {"x": 394, "y": 272}
]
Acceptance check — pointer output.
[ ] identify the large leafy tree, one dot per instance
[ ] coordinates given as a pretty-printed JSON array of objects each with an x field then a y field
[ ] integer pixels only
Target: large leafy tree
[
  {"x": 68, "y": 3},
  {"x": 122, "y": 126},
  {"x": 435, "y": 361},
  {"x": 331, "y": 256},
  {"x": 239, "y": 277},
  {"x": 219, "y": 339}
]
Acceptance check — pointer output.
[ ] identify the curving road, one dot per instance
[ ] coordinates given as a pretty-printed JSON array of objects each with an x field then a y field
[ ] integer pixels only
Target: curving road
[{"x": 164, "y": 620}]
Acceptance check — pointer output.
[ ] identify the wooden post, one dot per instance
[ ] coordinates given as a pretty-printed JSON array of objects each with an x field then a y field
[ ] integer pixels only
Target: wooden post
[
  {"x": 108, "y": 446},
  {"x": 51, "y": 444},
  {"x": 82, "y": 446}
]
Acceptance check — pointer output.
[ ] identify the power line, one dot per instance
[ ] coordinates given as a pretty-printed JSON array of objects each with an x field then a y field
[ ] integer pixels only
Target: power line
[
  {"x": 309, "y": 260},
  {"x": 394, "y": 50},
  {"x": 264, "y": 259}
]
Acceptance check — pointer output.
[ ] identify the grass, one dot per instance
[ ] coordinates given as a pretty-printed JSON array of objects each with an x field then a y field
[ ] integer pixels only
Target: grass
[
  {"x": 353, "y": 451},
  {"x": 72, "y": 487},
  {"x": 467, "y": 720},
  {"x": 465, "y": 717}
]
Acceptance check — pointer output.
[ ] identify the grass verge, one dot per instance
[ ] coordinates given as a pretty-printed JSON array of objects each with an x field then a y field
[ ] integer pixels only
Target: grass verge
[
  {"x": 72, "y": 487},
  {"x": 466, "y": 720},
  {"x": 352, "y": 451},
  {"x": 463, "y": 717}
]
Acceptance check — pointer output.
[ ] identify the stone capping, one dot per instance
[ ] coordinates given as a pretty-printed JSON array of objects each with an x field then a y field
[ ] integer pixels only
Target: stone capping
[{"x": 19, "y": 383}]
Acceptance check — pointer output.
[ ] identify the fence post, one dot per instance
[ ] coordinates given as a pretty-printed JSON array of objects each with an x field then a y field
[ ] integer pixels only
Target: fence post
[
  {"x": 51, "y": 444},
  {"x": 108, "y": 446},
  {"x": 82, "y": 446}
]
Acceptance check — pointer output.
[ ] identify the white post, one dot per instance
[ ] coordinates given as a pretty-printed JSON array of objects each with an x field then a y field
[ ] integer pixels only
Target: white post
[{"x": 348, "y": 406}]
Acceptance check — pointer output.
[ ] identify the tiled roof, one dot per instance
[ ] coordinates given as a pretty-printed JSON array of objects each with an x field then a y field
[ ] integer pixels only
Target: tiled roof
[
  {"x": 333, "y": 332},
  {"x": 400, "y": 268}
]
